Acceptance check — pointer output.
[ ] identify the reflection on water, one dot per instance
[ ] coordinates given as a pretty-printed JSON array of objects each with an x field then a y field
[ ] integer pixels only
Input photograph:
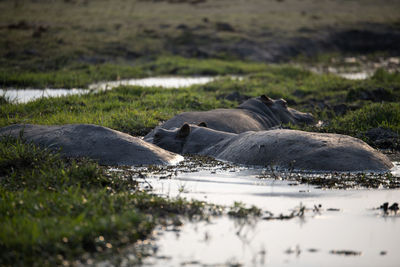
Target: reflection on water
[
  {"x": 26, "y": 95},
  {"x": 166, "y": 82},
  {"x": 355, "y": 76},
  {"x": 351, "y": 75},
  {"x": 346, "y": 223}
]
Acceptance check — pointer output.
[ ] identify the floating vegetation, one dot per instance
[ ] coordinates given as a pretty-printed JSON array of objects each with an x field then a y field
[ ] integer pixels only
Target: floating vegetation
[
  {"x": 389, "y": 209},
  {"x": 239, "y": 210},
  {"x": 346, "y": 252},
  {"x": 192, "y": 163},
  {"x": 195, "y": 163},
  {"x": 297, "y": 212},
  {"x": 336, "y": 180}
]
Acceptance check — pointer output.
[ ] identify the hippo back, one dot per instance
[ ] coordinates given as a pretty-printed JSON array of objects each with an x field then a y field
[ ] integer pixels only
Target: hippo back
[
  {"x": 105, "y": 145},
  {"x": 303, "y": 151}
]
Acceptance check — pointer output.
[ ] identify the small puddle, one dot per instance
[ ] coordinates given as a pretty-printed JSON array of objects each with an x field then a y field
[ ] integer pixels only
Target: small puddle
[
  {"x": 347, "y": 230},
  {"x": 166, "y": 82},
  {"x": 352, "y": 75},
  {"x": 355, "y": 76},
  {"x": 356, "y": 68},
  {"x": 26, "y": 95}
]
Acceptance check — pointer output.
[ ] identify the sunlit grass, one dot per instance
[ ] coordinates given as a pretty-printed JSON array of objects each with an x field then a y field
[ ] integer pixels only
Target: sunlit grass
[{"x": 385, "y": 115}]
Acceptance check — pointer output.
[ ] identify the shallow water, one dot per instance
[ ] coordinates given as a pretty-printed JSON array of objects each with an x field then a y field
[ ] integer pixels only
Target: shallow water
[
  {"x": 307, "y": 241},
  {"x": 166, "y": 82},
  {"x": 355, "y": 76},
  {"x": 26, "y": 95}
]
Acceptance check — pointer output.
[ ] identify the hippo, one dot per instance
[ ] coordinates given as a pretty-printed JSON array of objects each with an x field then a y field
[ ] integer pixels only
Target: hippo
[
  {"x": 107, "y": 146},
  {"x": 255, "y": 114},
  {"x": 282, "y": 148}
]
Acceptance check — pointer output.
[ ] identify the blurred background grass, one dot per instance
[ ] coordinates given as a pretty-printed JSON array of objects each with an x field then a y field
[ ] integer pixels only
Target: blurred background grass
[{"x": 53, "y": 34}]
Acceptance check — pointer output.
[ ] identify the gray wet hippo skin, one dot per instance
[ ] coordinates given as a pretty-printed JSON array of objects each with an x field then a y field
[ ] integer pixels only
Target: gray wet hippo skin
[
  {"x": 105, "y": 145},
  {"x": 256, "y": 114},
  {"x": 280, "y": 147}
]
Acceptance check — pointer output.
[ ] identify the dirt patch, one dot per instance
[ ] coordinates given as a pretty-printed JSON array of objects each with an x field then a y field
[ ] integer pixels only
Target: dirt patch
[
  {"x": 193, "y": 2},
  {"x": 379, "y": 38},
  {"x": 270, "y": 47}
]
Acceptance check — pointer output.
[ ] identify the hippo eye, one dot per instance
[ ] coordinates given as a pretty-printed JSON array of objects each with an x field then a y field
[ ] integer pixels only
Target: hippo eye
[
  {"x": 283, "y": 102},
  {"x": 157, "y": 135}
]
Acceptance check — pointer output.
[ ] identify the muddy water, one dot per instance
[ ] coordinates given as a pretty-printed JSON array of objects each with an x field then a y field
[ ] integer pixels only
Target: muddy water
[
  {"x": 26, "y": 95},
  {"x": 353, "y": 226}
]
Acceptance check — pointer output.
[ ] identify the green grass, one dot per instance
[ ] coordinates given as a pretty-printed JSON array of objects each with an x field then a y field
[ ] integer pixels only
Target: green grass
[
  {"x": 54, "y": 210},
  {"x": 385, "y": 115},
  {"x": 239, "y": 210},
  {"x": 387, "y": 78}
]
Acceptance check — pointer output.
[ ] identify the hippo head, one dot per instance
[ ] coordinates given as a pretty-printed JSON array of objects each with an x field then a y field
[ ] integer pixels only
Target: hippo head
[
  {"x": 172, "y": 140},
  {"x": 186, "y": 139},
  {"x": 277, "y": 110}
]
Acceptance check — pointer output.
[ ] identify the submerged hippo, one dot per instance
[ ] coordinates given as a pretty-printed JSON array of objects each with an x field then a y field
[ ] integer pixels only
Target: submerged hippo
[
  {"x": 105, "y": 145},
  {"x": 280, "y": 147},
  {"x": 256, "y": 114}
]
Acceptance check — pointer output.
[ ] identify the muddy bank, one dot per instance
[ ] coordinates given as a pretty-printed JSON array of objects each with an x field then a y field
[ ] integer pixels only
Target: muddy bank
[{"x": 269, "y": 46}]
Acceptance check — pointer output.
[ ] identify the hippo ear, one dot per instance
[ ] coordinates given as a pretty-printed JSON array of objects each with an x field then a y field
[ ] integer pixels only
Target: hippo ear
[
  {"x": 266, "y": 100},
  {"x": 184, "y": 131},
  {"x": 283, "y": 102},
  {"x": 202, "y": 124}
]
